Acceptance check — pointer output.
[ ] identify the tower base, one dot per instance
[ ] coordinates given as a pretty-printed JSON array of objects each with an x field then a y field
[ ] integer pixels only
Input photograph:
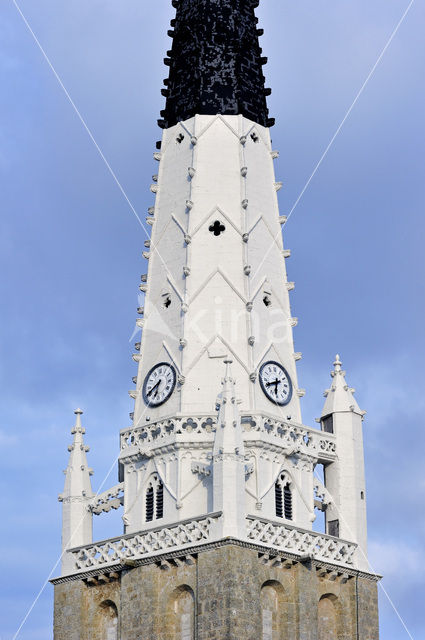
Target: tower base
[{"x": 226, "y": 591}]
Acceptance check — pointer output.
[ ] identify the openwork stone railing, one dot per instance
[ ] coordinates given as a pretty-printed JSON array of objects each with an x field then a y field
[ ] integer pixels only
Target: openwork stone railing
[
  {"x": 304, "y": 439},
  {"x": 148, "y": 433},
  {"x": 291, "y": 436},
  {"x": 203, "y": 530},
  {"x": 146, "y": 543},
  {"x": 300, "y": 541}
]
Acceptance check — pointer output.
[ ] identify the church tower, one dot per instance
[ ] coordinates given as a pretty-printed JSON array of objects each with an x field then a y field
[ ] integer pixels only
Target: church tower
[{"x": 219, "y": 479}]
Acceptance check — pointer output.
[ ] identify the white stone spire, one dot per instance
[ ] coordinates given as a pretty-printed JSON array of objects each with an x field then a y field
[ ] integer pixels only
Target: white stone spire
[
  {"x": 229, "y": 461},
  {"x": 216, "y": 285},
  {"x": 345, "y": 477},
  {"x": 76, "y": 496}
]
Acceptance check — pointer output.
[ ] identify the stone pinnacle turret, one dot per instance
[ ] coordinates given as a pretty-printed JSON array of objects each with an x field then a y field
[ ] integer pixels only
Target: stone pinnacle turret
[
  {"x": 345, "y": 477},
  {"x": 77, "y": 493},
  {"x": 229, "y": 461},
  {"x": 340, "y": 396}
]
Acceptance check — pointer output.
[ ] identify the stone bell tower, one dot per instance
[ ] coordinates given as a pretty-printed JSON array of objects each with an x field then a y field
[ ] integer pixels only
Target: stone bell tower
[{"x": 219, "y": 481}]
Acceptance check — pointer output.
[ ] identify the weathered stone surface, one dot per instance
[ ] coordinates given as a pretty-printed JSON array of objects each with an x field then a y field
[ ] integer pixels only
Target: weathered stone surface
[
  {"x": 216, "y": 63},
  {"x": 226, "y": 593}
]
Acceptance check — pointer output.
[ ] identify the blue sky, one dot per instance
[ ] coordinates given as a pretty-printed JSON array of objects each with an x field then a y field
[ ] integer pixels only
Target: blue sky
[{"x": 70, "y": 254}]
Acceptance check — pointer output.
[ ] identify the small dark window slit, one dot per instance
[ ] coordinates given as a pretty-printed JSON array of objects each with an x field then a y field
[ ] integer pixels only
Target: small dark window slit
[
  {"x": 160, "y": 501},
  {"x": 149, "y": 504},
  {"x": 217, "y": 228},
  {"x": 279, "y": 500},
  {"x": 267, "y": 301},
  {"x": 287, "y": 501}
]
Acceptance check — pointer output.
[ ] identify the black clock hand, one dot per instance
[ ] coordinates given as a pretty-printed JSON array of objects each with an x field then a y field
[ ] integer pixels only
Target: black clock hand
[
  {"x": 275, "y": 382},
  {"x": 153, "y": 388}
]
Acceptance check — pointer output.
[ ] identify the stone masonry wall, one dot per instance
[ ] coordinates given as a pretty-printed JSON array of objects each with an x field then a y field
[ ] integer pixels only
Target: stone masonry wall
[{"x": 218, "y": 596}]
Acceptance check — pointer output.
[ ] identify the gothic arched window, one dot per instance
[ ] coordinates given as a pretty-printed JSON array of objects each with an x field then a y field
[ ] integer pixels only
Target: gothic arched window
[
  {"x": 154, "y": 500},
  {"x": 283, "y": 498}
]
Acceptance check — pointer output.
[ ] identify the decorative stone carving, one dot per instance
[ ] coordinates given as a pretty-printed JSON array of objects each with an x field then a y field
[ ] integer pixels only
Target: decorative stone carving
[
  {"x": 201, "y": 468},
  {"x": 132, "y": 547},
  {"x": 111, "y": 499},
  {"x": 300, "y": 541}
]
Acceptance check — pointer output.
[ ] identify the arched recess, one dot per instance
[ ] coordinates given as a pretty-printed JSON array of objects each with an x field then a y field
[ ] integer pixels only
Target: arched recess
[
  {"x": 274, "y": 615},
  {"x": 329, "y": 618},
  {"x": 106, "y": 623},
  {"x": 181, "y": 614}
]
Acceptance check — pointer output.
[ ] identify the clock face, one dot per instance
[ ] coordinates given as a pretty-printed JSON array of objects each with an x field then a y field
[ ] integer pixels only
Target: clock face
[
  {"x": 159, "y": 384},
  {"x": 276, "y": 383}
]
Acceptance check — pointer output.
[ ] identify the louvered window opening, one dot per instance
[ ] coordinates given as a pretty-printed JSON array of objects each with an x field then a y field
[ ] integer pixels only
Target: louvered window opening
[
  {"x": 283, "y": 501},
  {"x": 155, "y": 501},
  {"x": 279, "y": 500},
  {"x": 160, "y": 501},
  {"x": 149, "y": 504},
  {"x": 287, "y": 502}
]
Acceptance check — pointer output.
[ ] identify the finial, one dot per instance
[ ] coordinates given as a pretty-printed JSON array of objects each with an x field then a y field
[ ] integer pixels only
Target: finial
[
  {"x": 78, "y": 427},
  {"x": 337, "y": 363},
  {"x": 228, "y": 363}
]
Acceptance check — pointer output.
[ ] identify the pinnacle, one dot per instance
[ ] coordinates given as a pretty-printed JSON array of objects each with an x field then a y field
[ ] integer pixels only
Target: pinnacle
[
  {"x": 337, "y": 363},
  {"x": 228, "y": 439},
  {"x": 78, "y": 473},
  {"x": 339, "y": 398},
  {"x": 228, "y": 374},
  {"x": 78, "y": 428}
]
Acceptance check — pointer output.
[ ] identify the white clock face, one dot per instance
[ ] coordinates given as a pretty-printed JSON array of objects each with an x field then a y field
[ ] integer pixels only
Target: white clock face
[
  {"x": 276, "y": 383},
  {"x": 159, "y": 384}
]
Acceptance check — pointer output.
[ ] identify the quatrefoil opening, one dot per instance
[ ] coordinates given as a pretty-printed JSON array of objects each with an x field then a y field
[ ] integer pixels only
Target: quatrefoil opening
[{"x": 217, "y": 228}]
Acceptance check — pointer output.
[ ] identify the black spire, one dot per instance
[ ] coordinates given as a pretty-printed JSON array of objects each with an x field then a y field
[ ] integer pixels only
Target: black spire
[{"x": 215, "y": 62}]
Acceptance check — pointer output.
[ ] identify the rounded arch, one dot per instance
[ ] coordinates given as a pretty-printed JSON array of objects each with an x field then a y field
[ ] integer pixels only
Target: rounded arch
[
  {"x": 180, "y": 620},
  {"x": 273, "y": 612},
  {"x": 106, "y": 621},
  {"x": 329, "y": 617}
]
